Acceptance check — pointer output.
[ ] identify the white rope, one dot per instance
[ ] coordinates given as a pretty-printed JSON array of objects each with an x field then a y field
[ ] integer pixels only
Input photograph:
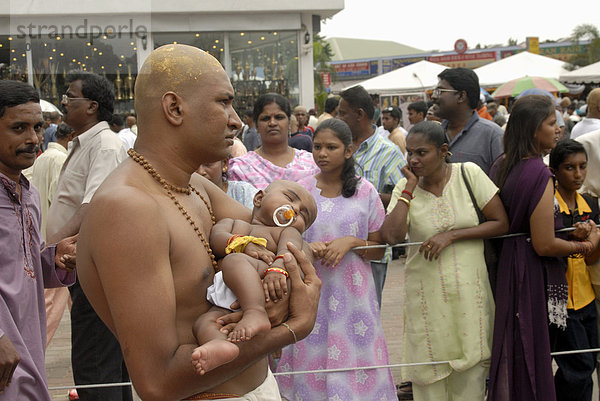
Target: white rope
[
  {"x": 407, "y": 244},
  {"x": 577, "y": 351},
  {"x": 81, "y": 386},
  {"x": 323, "y": 371}
]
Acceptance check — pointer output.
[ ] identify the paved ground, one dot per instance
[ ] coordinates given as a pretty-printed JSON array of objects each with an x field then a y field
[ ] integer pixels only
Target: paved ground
[{"x": 58, "y": 362}]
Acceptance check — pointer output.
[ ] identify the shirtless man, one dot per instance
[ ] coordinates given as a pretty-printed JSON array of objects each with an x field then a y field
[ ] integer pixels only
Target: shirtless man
[{"x": 143, "y": 259}]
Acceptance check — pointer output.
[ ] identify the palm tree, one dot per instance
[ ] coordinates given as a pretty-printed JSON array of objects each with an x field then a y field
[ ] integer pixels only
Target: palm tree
[
  {"x": 592, "y": 54},
  {"x": 322, "y": 55}
]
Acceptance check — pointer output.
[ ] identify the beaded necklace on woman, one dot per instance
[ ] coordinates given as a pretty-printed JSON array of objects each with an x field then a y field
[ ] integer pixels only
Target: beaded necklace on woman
[{"x": 169, "y": 188}]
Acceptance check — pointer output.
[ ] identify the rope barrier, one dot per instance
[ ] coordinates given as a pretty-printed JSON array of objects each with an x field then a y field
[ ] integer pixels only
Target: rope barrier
[
  {"x": 323, "y": 371},
  {"x": 407, "y": 244}
]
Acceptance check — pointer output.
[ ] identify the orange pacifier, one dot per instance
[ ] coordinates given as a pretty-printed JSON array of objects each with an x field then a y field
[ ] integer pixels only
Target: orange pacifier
[{"x": 283, "y": 216}]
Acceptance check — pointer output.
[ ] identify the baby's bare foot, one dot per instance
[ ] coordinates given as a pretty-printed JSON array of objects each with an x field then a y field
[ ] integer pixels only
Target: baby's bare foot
[
  {"x": 213, "y": 354},
  {"x": 253, "y": 322}
]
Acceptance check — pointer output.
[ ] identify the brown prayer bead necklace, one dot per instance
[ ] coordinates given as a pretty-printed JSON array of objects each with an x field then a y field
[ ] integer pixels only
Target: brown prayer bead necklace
[{"x": 187, "y": 190}]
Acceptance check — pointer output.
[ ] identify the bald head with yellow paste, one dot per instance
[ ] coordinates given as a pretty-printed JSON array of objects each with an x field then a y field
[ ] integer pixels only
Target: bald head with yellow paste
[
  {"x": 172, "y": 68},
  {"x": 184, "y": 90}
]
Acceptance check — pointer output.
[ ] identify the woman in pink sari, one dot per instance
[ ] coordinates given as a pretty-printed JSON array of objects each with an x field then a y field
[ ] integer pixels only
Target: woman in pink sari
[{"x": 274, "y": 159}]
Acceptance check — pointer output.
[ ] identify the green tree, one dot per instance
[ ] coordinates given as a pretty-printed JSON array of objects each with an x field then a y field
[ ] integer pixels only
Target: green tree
[
  {"x": 322, "y": 55},
  {"x": 586, "y": 32},
  {"x": 512, "y": 42}
]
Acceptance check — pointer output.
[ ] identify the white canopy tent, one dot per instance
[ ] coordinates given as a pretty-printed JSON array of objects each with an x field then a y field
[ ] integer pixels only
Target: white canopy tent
[
  {"x": 519, "y": 65},
  {"x": 416, "y": 77},
  {"x": 588, "y": 75},
  {"x": 48, "y": 107}
]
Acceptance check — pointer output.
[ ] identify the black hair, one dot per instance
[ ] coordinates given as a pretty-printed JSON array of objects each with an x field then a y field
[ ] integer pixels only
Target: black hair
[
  {"x": 344, "y": 134},
  {"x": 419, "y": 107},
  {"x": 248, "y": 113},
  {"x": 565, "y": 148},
  {"x": 330, "y": 104},
  {"x": 526, "y": 117},
  {"x": 395, "y": 112},
  {"x": 117, "y": 120},
  {"x": 432, "y": 131},
  {"x": 358, "y": 98},
  {"x": 267, "y": 99},
  {"x": 15, "y": 93},
  {"x": 96, "y": 88},
  {"x": 463, "y": 79},
  {"x": 63, "y": 131},
  {"x": 54, "y": 116}
]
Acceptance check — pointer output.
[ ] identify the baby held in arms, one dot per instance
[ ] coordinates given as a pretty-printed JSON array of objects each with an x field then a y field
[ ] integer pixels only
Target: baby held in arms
[{"x": 252, "y": 270}]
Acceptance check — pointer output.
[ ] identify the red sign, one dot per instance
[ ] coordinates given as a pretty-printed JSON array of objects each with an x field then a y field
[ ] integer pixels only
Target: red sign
[
  {"x": 460, "y": 46},
  {"x": 326, "y": 79},
  {"x": 462, "y": 57}
]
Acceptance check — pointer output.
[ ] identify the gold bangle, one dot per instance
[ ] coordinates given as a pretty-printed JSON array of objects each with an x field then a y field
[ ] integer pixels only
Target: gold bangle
[
  {"x": 403, "y": 199},
  {"x": 284, "y": 324}
]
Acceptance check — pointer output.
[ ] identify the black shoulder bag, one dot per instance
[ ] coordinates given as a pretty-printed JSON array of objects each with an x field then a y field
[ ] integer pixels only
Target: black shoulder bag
[{"x": 490, "y": 246}]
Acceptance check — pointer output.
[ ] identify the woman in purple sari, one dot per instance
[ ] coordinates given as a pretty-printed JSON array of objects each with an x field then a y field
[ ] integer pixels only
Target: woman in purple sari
[{"x": 531, "y": 287}]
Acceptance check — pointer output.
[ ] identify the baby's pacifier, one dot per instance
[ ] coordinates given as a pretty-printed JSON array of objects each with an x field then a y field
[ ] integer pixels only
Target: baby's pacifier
[{"x": 283, "y": 216}]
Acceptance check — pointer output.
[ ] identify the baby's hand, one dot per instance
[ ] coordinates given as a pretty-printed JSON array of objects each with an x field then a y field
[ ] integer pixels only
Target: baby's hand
[
  {"x": 259, "y": 252},
  {"x": 275, "y": 286}
]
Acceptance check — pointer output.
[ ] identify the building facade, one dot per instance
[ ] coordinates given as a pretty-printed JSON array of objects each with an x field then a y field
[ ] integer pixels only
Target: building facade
[{"x": 264, "y": 45}]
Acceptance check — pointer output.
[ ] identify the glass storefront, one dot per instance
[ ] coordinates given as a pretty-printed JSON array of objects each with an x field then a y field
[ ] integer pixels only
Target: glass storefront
[
  {"x": 52, "y": 57},
  {"x": 260, "y": 62},
  {"x": 264, "y": 62}
]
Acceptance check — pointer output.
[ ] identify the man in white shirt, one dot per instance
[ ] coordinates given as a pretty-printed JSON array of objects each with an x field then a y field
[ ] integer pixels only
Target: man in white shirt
[
  {"x": 592, "y": 121},
  {"x": 93, "y": 153},
  {"x": 126, "y": 135},
  {"x": 45, "y": 173},
  {"x": 591, "y": 143}
]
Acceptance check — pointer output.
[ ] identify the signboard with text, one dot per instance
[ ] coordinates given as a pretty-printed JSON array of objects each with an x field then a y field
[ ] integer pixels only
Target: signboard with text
[
  {"x": 467, "y": 60},
  {"x": 352, "y": 69}
]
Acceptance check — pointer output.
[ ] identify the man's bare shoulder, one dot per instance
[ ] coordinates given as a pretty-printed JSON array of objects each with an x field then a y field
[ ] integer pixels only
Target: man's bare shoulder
[{"x": 126, "y": 197}]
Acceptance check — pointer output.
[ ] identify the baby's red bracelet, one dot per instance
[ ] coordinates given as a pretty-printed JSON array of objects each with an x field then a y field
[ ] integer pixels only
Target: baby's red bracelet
[{"x": 277, "y": 270}]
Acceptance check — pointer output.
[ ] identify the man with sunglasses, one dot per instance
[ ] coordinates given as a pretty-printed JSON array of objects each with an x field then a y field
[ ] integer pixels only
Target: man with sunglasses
[
  {"x": 471, "y": 138},
  {"x": 93, "y": 153}
]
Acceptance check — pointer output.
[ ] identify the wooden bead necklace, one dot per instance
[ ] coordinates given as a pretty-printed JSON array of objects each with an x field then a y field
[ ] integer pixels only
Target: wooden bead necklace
[{"x": 168, "y": 187}]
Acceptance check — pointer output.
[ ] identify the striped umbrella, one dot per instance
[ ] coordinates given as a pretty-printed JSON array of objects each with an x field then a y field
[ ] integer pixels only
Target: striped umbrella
[{"x": 516, "y": 86}]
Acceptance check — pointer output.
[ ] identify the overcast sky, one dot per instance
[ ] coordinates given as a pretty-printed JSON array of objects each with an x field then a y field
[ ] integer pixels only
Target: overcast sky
[{"x": 437, "y": 24}]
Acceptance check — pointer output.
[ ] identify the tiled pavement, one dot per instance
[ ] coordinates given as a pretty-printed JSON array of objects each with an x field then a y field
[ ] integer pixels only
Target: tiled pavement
[{"x": 58, "y": 355}]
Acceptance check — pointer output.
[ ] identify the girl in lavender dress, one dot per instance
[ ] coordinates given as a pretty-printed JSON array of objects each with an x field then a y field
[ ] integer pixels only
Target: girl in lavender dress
[{"x": 348, "y": 331}]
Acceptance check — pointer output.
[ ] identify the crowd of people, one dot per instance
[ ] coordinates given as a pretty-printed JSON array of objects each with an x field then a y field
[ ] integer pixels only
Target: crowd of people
[{"x": 202, "y": 251}]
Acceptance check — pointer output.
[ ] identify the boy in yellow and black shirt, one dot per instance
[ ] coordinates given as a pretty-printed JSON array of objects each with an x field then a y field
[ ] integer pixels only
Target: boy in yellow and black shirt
[{"x": 573, "y": 379}]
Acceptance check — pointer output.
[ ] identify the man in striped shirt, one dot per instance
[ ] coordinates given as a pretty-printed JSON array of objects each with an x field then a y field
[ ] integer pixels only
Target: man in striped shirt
[{"x": 378, "y": 160}]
